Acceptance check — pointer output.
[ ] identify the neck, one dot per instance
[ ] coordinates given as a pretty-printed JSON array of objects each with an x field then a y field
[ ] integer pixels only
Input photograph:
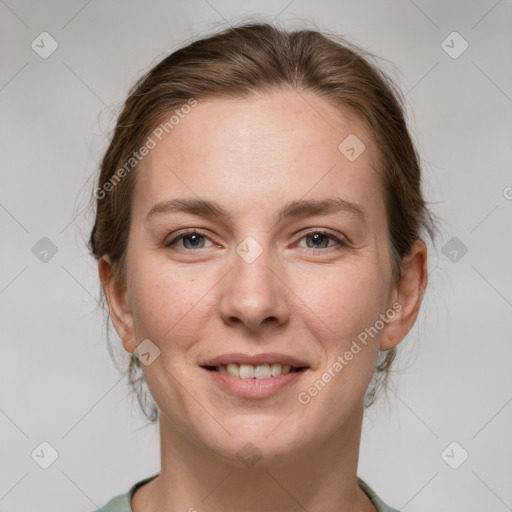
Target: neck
[{"x": 320, "y": 478}]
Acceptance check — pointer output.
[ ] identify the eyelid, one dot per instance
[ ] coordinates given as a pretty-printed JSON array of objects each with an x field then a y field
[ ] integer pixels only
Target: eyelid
[
  {"x": 340, "y": 239},
  {"x": 181, "y": 234}
]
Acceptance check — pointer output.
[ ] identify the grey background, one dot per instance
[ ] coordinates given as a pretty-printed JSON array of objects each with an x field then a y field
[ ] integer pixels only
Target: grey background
[{"x": 57, "y": 381}]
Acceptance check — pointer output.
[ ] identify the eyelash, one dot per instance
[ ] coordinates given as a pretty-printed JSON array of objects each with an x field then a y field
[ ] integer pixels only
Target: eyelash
[{"x": 342, "y": 243}]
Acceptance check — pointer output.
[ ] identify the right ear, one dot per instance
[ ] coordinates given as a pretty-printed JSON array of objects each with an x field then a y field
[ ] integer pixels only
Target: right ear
[{"x": 116, "y": 295}]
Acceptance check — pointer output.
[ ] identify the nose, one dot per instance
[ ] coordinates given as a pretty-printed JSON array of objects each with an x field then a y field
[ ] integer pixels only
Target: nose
[{"x": 254, "y": 294}]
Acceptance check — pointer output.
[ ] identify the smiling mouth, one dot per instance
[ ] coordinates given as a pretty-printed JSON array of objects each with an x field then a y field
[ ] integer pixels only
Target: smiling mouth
[{"x": 263, "y": 371}]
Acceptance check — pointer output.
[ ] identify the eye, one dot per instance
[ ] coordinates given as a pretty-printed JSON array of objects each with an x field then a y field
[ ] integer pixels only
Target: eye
[
  {"x": 320, "y": 238},
  {"x": 193, "y": 238}
]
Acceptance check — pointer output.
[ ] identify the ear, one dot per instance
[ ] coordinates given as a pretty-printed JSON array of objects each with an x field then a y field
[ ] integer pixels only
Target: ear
[
  {"x": 406, "y": 296},
  {"x": 118, "y": 304}
]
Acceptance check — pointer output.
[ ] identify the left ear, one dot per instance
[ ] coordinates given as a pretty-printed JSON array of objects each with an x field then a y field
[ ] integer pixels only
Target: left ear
[{"x": 406, "y": 296}]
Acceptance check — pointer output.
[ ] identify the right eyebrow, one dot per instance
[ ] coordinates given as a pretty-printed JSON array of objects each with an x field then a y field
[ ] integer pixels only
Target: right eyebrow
[{"x": 192, "y": 206}]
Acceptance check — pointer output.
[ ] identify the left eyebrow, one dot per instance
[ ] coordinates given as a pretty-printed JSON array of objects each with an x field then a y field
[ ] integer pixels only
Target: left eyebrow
[
  {"x": 293, "y": 210},
  {"x": 303, "y": 208}
]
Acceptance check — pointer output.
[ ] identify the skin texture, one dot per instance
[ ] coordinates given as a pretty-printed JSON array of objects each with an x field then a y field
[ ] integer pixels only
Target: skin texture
[{"x": 252, "y": 156}]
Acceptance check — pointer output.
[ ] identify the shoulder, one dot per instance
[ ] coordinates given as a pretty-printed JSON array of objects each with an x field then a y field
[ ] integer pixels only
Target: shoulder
[
  {"x": 122, "y": 502},
  {"x": 379, "y": 504}
]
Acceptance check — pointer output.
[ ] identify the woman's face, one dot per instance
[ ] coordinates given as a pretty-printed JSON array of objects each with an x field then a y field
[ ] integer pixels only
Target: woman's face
[{"x": 265, "y": 276}]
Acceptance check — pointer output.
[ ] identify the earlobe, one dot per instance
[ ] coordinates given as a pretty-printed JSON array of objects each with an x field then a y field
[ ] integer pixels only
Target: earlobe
[
  {"x": 408, "y": 293},
  {"x": 120, "y": 313}
]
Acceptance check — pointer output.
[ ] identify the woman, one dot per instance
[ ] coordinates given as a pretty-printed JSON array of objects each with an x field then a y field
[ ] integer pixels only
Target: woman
[{"x": 258, "y": 232}]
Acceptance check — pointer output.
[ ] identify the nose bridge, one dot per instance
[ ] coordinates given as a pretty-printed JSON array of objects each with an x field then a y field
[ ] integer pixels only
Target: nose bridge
[{"x": 253, "y": 293}]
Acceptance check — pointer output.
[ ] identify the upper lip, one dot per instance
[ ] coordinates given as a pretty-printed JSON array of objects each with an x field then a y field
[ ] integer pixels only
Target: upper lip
[{"x": 255, "y": 359}]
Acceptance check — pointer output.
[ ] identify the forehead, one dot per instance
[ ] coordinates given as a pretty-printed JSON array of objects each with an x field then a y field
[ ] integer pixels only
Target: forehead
[{"x": 268, "y": 148}]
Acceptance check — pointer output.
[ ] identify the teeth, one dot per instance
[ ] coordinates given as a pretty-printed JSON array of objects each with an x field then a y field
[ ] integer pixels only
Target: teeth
[{"x": 248, "y": 371}]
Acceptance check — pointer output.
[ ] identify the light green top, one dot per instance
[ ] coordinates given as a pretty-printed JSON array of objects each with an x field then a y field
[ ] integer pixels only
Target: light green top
[{"x": 122, "y": 502}]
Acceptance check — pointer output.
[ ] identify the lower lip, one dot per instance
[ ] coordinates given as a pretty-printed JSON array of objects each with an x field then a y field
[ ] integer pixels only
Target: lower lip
[{"x": 254, "y": 388}]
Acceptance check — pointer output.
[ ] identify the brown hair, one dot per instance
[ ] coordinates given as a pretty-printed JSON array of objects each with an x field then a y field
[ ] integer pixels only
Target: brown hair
[{"x": 257, "y": 58}]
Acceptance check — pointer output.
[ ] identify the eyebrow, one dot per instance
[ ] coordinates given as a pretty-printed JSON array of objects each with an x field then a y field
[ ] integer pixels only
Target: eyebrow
[{"x": 293, "y": 210}]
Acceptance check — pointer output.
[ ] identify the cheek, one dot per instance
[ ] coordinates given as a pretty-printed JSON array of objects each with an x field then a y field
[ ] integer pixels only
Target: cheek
[
  {"x": 169, "y": 302},
  {"x": 346, "y": 299},
  {"x": 343, "y": 306}
]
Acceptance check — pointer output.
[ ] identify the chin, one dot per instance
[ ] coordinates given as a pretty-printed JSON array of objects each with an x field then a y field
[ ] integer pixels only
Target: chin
[{"x": 257, "y": 442}]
